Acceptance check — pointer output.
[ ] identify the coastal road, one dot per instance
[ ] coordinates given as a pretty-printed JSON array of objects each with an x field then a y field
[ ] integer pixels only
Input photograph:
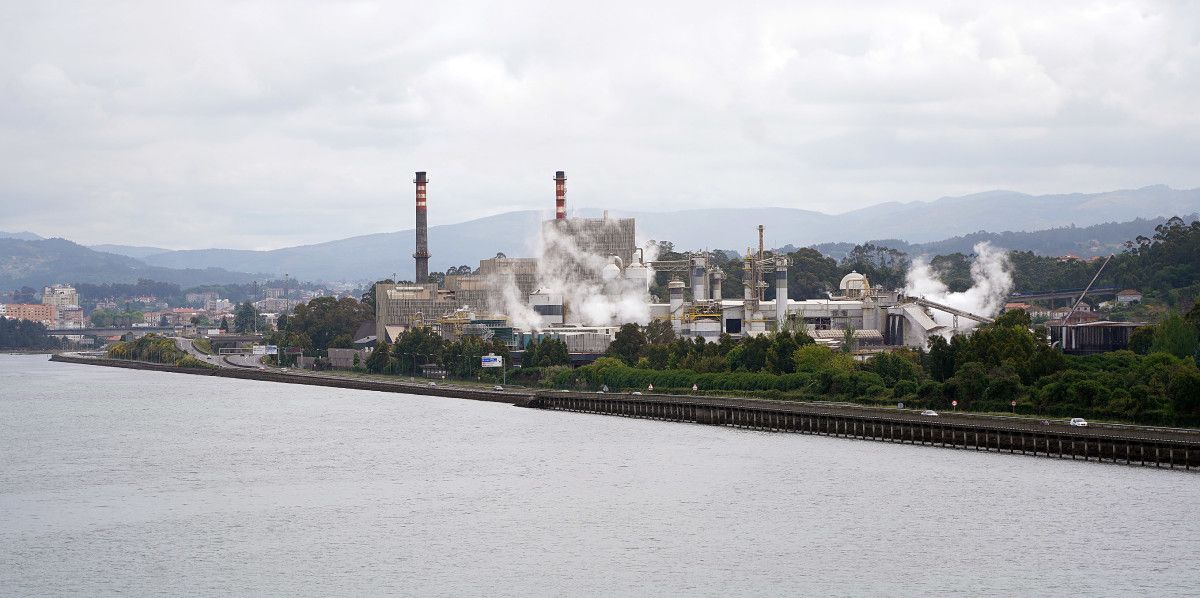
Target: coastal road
[{"x": 221, "y": 361}]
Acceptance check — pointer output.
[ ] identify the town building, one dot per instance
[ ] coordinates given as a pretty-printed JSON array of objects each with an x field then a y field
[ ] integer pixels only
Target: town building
[
  {"x": 34, "y": 312},
  {"x": 1128, "y": 296},
  {"x": 60, "y": 296}
]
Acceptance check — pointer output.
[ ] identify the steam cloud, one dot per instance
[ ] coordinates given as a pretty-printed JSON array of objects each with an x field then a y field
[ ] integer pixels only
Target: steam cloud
[
  {"x": 991, "y": 274},
  {"x": 596, "y": 289}
]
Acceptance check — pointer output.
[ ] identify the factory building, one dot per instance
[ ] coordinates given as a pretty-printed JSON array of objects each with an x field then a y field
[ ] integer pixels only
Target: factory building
[
  {"x": 602, "y": 237},
  {"x": 600, "y": 256}
]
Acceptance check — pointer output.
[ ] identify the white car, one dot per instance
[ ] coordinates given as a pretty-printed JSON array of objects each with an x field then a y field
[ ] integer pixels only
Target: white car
[
  {"x": 1078, "y": 422},
  {"x": 929, "y": 413},
  {"x": 497, "y": 387}
]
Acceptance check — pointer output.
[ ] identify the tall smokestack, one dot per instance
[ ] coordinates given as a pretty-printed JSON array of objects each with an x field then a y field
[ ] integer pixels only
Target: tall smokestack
[
  {"x": 422, "y": 252},
  {"x": 560, "y": 195}
]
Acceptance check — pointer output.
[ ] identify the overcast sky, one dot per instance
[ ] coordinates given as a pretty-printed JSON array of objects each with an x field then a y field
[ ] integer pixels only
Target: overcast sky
[{"x": 262, "y": 124}]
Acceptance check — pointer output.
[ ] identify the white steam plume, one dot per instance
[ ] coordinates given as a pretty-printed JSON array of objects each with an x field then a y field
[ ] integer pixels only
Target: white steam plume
[
  {"x": 991, "y": 275},
  {"x": 595, "y": 290}
]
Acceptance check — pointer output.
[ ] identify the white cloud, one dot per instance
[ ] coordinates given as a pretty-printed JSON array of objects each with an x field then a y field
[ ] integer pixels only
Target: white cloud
[{"x": 259, "y": 124}]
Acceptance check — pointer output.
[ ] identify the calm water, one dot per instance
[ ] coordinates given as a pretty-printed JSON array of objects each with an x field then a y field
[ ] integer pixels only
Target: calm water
[{"x": 141, "y": 483}]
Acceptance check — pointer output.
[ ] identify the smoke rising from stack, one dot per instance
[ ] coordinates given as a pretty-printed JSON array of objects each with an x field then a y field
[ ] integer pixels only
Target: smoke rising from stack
[{"x": 991, "y": 275}]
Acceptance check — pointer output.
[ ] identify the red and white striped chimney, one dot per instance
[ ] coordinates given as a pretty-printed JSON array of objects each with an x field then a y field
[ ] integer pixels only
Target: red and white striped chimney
[{"x": 560, "y": 195}]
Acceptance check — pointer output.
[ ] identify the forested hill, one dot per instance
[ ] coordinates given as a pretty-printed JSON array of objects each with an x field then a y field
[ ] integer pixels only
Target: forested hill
[
  {"x": 37, "y": 263},
  {"x": 1081, "y": 241}
]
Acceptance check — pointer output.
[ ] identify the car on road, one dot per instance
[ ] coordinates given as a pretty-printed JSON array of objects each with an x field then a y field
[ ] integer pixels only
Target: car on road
[
  {"x": 433, "y": 383},
  {"x": 929, "y": 413},
  {"x": 1078, "y": 422},
  {"x": 497, "y": 387},
  {"x": 636, "y": 393}
]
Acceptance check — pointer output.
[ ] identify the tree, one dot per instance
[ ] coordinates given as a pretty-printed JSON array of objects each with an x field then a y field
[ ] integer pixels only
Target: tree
[
  {"x": 627, "y": 344},
  {"x": 779, "y": 355},
  {"x": 553, "y": 352},
  {"x": 1176, "y": 336},
  {"x": 939, "y": 362},
  {"x": 329, "y": 322},
  {"x": 224, "y": 324},
  {"x": 368, "y": 297},
  {"x": 660, "y": 332},
  {"x": 244, "y": 318},
  {"x": 377, "y": 361}
]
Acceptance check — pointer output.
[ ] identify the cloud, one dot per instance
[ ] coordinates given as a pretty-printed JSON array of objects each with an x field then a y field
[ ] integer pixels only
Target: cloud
[{"x": 261, "y": 124}]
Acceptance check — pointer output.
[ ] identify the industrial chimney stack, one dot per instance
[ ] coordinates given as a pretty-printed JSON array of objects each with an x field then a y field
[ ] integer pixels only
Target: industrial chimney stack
[
  {"x": 422, "y": 252},
  {"x": 560, "y": 195}
]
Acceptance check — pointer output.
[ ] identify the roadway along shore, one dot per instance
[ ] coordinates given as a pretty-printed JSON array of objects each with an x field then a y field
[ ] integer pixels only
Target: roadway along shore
[{"x": 1181, "y": 439}]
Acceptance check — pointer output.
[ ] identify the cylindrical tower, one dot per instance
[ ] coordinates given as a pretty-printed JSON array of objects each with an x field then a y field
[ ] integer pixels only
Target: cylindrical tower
[
  {"x": 781, "y": 293},
  {"x": 422, "y": 253},
  {"x": 676, "y": 287},
  {"x": 717, "y": 277},
  {"x": 699, "y": 278},
  {"x": 560, "y": 195}
]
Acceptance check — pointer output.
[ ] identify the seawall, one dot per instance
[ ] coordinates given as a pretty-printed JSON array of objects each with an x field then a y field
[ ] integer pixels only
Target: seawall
[
  {"x": 520, "y": 399},
  {"x": 1130, "y": 445}
]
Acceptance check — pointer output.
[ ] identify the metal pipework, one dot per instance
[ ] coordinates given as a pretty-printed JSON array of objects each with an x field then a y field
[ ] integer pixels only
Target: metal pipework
[
  {"x": 781, "y": 292},
  {"x": 421, "y": 255}
]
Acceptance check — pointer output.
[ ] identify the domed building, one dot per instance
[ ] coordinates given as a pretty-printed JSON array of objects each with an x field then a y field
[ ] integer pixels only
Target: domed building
[{"x": 854, "y": 285}]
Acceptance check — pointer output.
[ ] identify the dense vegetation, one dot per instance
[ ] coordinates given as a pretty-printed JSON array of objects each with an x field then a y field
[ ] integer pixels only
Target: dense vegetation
[
  {"x": 999, "y": 364},
  {"x": 26, "y": 334},
  {"x": 156, "y": 349},
  {"x": 419, "y": 348}
]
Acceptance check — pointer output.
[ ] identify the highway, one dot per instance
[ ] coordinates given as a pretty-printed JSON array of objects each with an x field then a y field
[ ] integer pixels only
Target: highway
[{"x": 221, "y": 361}]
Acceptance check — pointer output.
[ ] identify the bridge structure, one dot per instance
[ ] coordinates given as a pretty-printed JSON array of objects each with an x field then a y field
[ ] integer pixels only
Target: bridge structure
[
  {"x": 115, "y": 331},
  {"x": 1068, "y": 295}
]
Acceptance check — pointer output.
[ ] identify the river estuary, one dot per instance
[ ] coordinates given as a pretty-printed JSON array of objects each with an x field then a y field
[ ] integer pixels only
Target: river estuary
[{"x": 142, "y": 483}]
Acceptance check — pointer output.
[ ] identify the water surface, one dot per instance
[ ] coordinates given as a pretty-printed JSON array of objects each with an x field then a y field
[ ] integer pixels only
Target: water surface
[{"x": 144, "y": 483}]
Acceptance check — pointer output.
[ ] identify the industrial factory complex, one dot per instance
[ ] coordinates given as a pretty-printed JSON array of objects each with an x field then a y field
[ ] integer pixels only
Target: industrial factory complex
[{"x": 590, "y": 277}]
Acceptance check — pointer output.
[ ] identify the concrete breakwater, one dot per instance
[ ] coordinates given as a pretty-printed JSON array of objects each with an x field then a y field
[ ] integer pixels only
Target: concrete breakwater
[
  {"x": 1155, "y": 447},
  {"x": 1131, "y": 445},
  {"x": 312, "y": 379}
]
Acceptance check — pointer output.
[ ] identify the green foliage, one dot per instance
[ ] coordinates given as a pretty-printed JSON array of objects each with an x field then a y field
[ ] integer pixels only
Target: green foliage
[
  {"x": 203, "y": 345},
  {"x": 25, "y": 334},
  {"x": 1175, "y": 335},
  {"x": 627, "y": 344},
  {"x": 152, "y": 347},
  {"x": 188, "y": 361},
  {"x": 106, "y": 318},
  {"x": 244, "y": 318},
  {"x": 415, "y": 347},
  {"x": 1141, "y": 339},
  {"x": 377, "y": 361},
  {"x": 327, "y": 323},
  {"x": 546, "y": 353}
]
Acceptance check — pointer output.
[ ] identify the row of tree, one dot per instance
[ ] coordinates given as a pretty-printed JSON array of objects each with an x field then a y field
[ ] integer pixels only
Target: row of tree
[
  {"x": 998, "y": 365},
  {"x": 26, "y": 335},
  {"x": 419, "y": 350}
]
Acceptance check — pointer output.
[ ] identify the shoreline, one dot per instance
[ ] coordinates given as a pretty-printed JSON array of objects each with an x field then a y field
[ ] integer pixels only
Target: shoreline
[{"x": 1129, "y": 445}]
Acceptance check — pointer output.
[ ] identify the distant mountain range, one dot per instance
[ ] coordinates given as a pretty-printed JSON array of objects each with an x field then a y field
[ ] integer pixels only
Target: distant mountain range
[
  {"x": 941, "y": 226},
  {"x": 1098, "y": 239},
  {"x": 41, "y": 262}
]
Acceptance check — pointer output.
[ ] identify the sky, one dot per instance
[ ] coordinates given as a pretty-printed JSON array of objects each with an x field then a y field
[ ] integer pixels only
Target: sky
[{"x": 265, "y": 124}]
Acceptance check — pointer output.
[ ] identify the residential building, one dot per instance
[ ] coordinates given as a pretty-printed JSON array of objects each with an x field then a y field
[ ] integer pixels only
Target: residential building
[
  {"x": 1128, "y": 296},
  {"x": 34, "y": 312},
  {"x": 60, "y": 296}
]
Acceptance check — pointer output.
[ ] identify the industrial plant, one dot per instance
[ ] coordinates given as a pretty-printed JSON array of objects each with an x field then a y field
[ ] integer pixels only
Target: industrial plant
[{"x": 591, "y": 276}]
